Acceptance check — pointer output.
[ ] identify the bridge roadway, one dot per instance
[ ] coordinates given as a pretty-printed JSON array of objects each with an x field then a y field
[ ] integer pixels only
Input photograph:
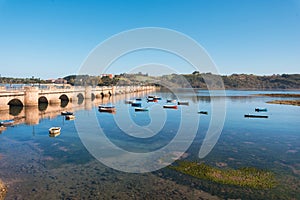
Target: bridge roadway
[{"x": 32, "y": 96}]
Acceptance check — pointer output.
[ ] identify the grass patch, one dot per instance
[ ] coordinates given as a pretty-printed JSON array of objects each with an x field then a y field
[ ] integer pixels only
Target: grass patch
[{"x": 244, "y": 177}]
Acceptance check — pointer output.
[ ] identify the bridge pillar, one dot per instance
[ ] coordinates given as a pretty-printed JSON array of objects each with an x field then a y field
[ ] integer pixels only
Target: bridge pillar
[
  {"x": 88, "y": 92},
  {"x": 3, "y": 104},
  {"x": 31, "y": 97},
  {"x": 55, "y": 101},
  {"x": 113, "y": 90}
]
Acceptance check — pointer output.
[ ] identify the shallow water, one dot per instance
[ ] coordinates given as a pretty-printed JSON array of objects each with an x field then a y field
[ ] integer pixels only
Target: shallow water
[{"x": 36, "y": 166}]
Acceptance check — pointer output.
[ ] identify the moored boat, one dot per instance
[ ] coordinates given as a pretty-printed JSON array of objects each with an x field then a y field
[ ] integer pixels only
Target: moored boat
[
  {"x": 203, "y": 112},
  {"x": 66, "y": 113},
  {"x": 7, "y": 123},
  {"x": 172, "y": 106},
  {"x": 141, "y": 109},
  {"x": 157, "y": 98},
  {"x": 183, "y": 103},
  {"x": 136, "y": 104},
  {"x": 255, "y": 116},
  {"x": 106, "y": 106},
  {"x": 70, "y": 117},
  {"x": 138, "y": 99},
  {"x": 107, "y": 109},
  {"x": 171, "y": 100},
  {"x": 54, "y": 131},
  {"x": 151, "y": 100},
  {"x": 261, "y": 110}
]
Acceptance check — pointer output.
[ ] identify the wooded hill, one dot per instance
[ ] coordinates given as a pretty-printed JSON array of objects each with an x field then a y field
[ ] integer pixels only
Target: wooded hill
[
  {"x": 239, "y": 81},
  {"x": 197, "y": 80}
]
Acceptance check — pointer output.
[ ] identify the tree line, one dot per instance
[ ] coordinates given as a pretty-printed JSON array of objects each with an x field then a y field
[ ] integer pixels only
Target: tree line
[{"x": 195, "y": 80}]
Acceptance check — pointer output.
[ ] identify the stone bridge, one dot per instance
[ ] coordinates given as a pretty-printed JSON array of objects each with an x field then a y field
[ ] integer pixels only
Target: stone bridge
[{"x": 33, "y": 96}]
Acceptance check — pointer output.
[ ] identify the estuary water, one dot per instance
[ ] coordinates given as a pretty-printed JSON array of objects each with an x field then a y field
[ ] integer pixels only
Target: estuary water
[{"x": 36, "y": 166}]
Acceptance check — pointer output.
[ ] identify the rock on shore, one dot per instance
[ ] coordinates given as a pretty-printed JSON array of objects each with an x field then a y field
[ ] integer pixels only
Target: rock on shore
[{"x": 3, "y": 190}]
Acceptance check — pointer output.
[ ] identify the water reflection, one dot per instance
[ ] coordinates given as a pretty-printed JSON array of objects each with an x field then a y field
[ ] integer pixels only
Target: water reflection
[
  {"x": 15, "y": 110},
  {"x": 44, "y": 110},
  {"x": 64, "y": 103},
  {"x": 43, "y": 106},
  {"x": 80, "y": 100},
  {"x": 40, "y": 161}
]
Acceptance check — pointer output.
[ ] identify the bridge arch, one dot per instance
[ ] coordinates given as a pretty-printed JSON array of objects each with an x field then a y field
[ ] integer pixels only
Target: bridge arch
[
  {"x": 80, "y": 98},
  {"x": 64, "y": 97},
  {"x": 15, "y": 106},
  {"x": 43, "y": 103},
  {"x": 64, "y": 100},
  {"x": 15, "y": 102},
  {"x": 43, "y": 99}
]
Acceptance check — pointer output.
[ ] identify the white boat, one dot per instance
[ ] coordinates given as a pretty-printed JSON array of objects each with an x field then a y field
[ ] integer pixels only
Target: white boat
[
  {"x": 54, "y": 131},
  {"x": 157, "y": 98},
  {"x": 70, "y": 117},
  {"x": 106, "y": 106}
]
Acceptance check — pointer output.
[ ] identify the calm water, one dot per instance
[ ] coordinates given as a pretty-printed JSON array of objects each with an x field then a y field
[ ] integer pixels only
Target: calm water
[{"x": 36, "y": 166}]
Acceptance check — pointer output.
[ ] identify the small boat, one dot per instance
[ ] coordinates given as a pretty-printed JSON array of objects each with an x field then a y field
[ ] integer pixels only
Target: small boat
[
  {"x": 106, "y": 106},
  {"x": 129, "y": 101},
  {"x": 138, "y": 99},
  {"x": 7, "y": 123},
  {"x": 261, "y": 110},
  {"x": 173, "y": 106},
  {"x": 54, "y": 131},
  {"x": 141, "y": 109},
  {"x": 109, "y": 110},
  {"x": 157, "y": 97},
  {"x": 171, "y": 100},
  {"x": 70, "y": 117},
  {"x": 203, "y": 112},
  {"x": 66, "y": 113},
  {"x": 256, "y": 116},
  {"x": 183, "y": 103},
  {"x": 151, "y": 96},
  {"x": 151, "y": 100},
  {"x": 136, "y": 104}
]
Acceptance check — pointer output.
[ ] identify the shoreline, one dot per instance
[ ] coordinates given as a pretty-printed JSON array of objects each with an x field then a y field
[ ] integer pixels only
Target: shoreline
[
  {"x": 280, "y": 95},
  {"x": 285, "y": 102}
]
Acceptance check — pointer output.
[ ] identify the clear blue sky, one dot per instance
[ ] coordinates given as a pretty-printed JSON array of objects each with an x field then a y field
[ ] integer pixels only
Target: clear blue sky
[{"x": 51, "y": 38}]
